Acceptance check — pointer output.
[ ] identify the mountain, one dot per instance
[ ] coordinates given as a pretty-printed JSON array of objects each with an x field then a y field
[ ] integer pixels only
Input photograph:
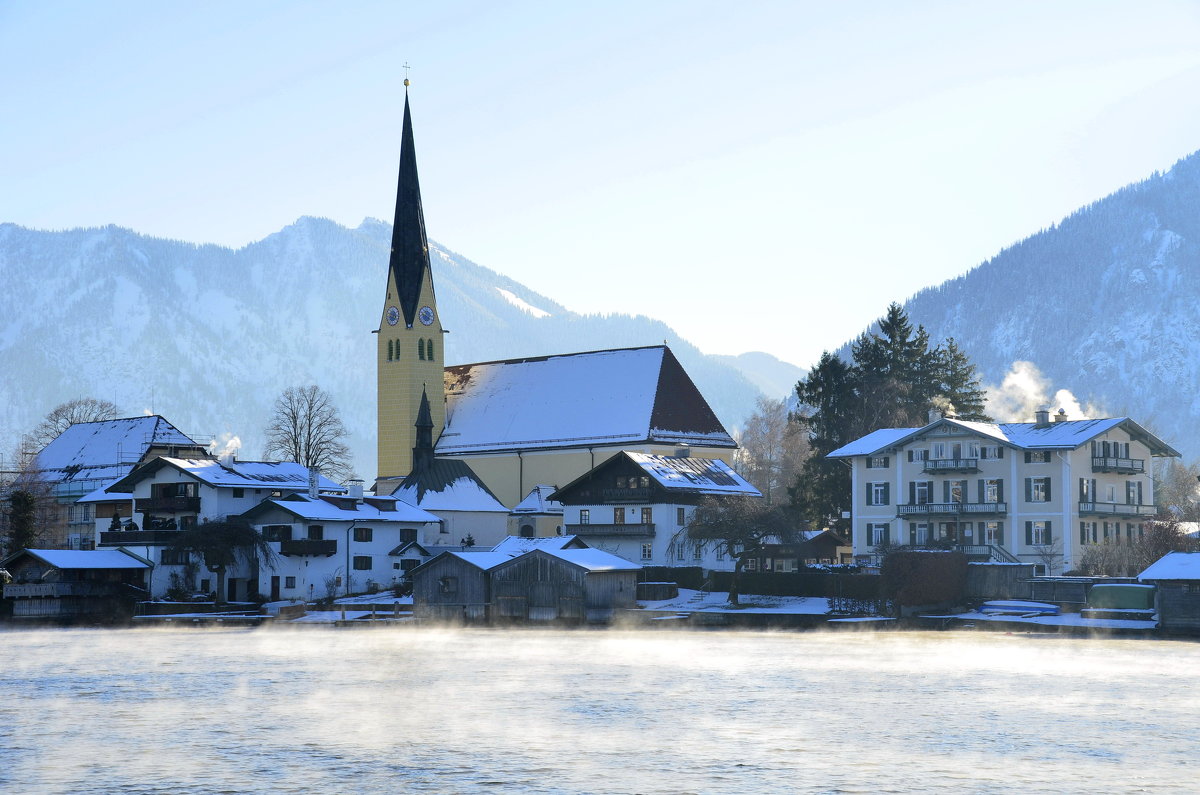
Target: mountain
[
  {"x": 774, "y": 377},
  {"x": 209, "y": 336},
  {"x": 1104, "y": 304}
]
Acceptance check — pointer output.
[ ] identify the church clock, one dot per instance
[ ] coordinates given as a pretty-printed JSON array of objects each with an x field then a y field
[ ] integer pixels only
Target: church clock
[
  {"x": 426, "y": 316},
  {"x": 393, "y": 315}
]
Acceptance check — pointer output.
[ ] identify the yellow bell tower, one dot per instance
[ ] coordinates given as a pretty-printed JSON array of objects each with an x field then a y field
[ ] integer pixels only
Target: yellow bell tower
[{"x": 409, "y": 357}]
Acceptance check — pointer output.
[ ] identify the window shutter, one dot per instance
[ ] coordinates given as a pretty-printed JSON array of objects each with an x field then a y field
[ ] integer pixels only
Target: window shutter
[
  {"x": 1049, "y": 496},
  {"x": 1000, "y": 491},
  {"x": 887, "y": 530},
  {"x": 868, "y": 495},
  {"x": 982, "y": 491},
  {"x": 1000, "y": 533},
  {"x": 1028, "y": 457},
  {"x": 945, "y": 491},
  {"x": 1139, "y": 493},
  {"x": 1000, "y": 451},
  {"x": 1029, "y": 534},
  {"x": 910, "y": 456},
  {"x": 1083, "y": 532},
  {"x": 1049, "y": 537},
  {"x": 912, "y": 492},
  {"x": 887, "y": 494},
  {"x": 886, "y": 461},
  {"x": 912, "y": 534},
  {"x": 1028, "y": 489}
]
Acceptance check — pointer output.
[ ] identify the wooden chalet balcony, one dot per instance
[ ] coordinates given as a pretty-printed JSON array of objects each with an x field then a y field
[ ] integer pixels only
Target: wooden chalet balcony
[
  {"x": 625, "y": 495},
  {"x": 954, "y": 509},
  {"x": 589, "y": 530},
  {"x": 59, "y": 589},
  {"x": 308, "y": 546},
  {"x": 1128, "y": 466},
  {"x": 168, "y": 505},
  {"x": 145, "y": 538},
  {"x": 951, "y": 465},
  {"x": 1117, "y": 509}
]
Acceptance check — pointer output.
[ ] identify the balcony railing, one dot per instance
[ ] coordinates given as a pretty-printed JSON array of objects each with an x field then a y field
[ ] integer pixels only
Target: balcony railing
[
  {"x": 168, "y": 505},
  {"x": 587, "y": 530},
  {"x": 308, "y": 546},
  {"x": 625, "y": 495},
  {"x": 954, "y": 508},
  {"x": 1125, "y": 465},
  {"x": 59, "y": 589},
  {"x": 145, "y": 538},
  {"x": 1117, "y": 509},
  {"x": 951, "y": 465}
]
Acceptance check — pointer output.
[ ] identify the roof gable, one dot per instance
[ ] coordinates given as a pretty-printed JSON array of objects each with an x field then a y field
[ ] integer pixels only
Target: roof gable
[
  {"x": 622, "y": 396},
  {"x": 447, "y": 484}
]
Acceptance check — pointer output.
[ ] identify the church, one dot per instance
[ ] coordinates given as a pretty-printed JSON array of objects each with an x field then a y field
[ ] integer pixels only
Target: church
[{"x": 513, "y": 425}]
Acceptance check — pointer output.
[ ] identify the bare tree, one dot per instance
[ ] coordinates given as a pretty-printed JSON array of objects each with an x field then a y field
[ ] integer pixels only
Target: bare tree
[
  {"x": 65, "y": 415},
  {"x": 307, "y": 428},
  {"x": 1176, "y": 488},
  {"x": 1049, "y": 554},
  {"x": 773, "y": 448},
  {"x": 741, "y": 526},
  {"x": 1159, "y": 537}
]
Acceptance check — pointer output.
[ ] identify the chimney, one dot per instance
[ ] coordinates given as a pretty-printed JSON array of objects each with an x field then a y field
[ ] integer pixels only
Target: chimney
[
  {"x": 683, "y": 451},
  {"x": 314, "y": 478},
  {"x": 1061, "y": 416},
  {"x": 354, "y": 489},
  {"x": 934, "y": 416},
  {"x": 1041, "y": 416}
]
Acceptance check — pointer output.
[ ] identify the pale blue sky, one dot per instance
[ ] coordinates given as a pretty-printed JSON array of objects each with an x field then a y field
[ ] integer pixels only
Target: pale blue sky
[{"x": 619, "y": 156}]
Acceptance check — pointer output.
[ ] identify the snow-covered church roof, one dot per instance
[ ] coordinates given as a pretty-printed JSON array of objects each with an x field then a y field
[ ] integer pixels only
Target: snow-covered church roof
[
  {"x": 538, "y": 501},
  {"x": 610, "y": 397},
  {"x": 441, "y": 484}
]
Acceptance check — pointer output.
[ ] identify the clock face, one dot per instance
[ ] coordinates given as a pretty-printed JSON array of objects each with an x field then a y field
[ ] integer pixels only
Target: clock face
[
  {"x": 426, "y": 316},
  {"x": 393, "y": 315}
]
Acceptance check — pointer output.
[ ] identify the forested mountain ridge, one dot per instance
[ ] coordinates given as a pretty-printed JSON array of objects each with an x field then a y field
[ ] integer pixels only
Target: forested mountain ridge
[
  {"x": 209, "y": 336},
  {"x": 1104, "y": 304}
]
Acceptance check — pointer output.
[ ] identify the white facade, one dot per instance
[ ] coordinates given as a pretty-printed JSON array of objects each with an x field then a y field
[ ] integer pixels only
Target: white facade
[
  {"x": 651, "y": 535},
  {"x": 1035, "y": 493}
]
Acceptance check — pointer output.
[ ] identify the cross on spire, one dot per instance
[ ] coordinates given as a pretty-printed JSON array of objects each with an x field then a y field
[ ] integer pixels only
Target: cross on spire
[{"x": 406, "y": 67}]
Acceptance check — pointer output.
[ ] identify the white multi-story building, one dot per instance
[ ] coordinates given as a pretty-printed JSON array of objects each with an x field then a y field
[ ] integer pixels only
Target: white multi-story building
[{"x": 1034, "y": 492}]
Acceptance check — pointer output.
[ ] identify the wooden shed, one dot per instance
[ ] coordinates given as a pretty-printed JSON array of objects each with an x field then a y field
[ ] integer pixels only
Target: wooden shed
[
  {"x": 455, "y": 586},
  {"x": 1176, "y": 577},
  {"x": 564, "y": 584}
]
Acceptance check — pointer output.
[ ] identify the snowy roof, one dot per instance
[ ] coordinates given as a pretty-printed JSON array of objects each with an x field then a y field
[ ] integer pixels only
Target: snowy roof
[
  {"x": 517, "y": 545},
  {"x": 1174, "y": 566},
  {"x": 622, "y": 396},
  {"x": 447, "y": 485},
  {"x": 693, "y": 475},
  {"x": 105, "y": 450},
  {"x": 238, "y": 474},
  {"x": 344, "y": 509},
  {"x": 480, "y": 560},
  {"x": 538, "y": 501},
  {"x": 1063, "y": 435},
  {"x": 102, "y": 494},
  {"x": 594, "y": 559},
  {"x": 88, "y": 559}
]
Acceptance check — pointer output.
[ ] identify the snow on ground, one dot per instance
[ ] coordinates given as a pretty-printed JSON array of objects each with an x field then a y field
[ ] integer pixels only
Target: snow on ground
[
  {"x": 1065, "y": 620},
  {"x": 381, "y": 598},
  {"x": 690, "y": 601},
  {"x": 522, "y": 304}
]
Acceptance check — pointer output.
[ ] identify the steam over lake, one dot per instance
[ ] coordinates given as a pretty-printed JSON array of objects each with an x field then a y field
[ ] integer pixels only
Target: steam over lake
[{"x": 397, "y": 710}]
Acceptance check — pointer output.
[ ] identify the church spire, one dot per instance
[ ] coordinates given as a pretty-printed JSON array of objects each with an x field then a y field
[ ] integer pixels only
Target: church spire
[
  {"x": 410, "y": 249},
  {"x": 423, "y": 450}
]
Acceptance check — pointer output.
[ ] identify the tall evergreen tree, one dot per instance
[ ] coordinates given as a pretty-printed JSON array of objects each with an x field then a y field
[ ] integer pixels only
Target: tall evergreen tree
[
  {"x": 22, "y": 532},
  {"x": 958, "y": 382}
]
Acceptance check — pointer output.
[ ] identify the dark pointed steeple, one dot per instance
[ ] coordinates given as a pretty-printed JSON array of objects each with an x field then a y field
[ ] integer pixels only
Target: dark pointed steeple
[
  {"x": 410, "y": 248},
  {"x": 423, "y": 450}
]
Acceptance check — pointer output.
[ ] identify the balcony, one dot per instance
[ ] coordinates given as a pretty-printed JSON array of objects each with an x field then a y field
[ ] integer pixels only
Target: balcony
[
  {"x": 954, "y": 509},
  {"x": 1117, "y": 509},
  {"x": 625, "y": 495},
  {"x": 1127, "y": 466},
  {"x": 312, "y": 547},
  {"x": 951, "y": 465},
  {"x": 144, "y": 538},
  {"x": 168, "y": 505},
  {"x": 591, "y": 530}
]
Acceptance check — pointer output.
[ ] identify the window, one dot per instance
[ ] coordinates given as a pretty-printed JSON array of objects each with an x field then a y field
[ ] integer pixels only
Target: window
[
  {"x": 1037, "y": 457},
  {"x": 526, "y": 531},
  {"x": 679, "y": 551},
  {"x": 992, "y": 491},
  {"x": 1037, "y": 489},
  {"x": 918, "y": 455},
  {"x": 991, "y": 452},
  {"x": 173, "y": 557},
  {"x": 277, "y": 532},
  {"x": 448, "y": 585},
  {"x": 698, "y": 551},
  {"x": 920, "y": 492},
  {"x": 316, "y": 532},
  {"x": 877, "y": 493},
  {"x": 647, "y": 552},
  {"x": 585, "y": 516},
  {"x": 939, "y": 450},
  {"x": 1133, "y": 492},
  {"x": 362, "y": 562},
  {"x": 972, "y": 450},
  {"x": 752, "y": 564},
  {"x": 877, "y": 462},
  {"x": 363, "y": 534},
  {"x": 680, "y": 517},
  {"x": 389, "y": 350},
  {"x": 205, "y": 586},
  {"x": 644, "y": 481},
  {"x": 289, "y": 582},
  {"x": 954, "y": 491},
  {"x": 421, "y": 350},
  {"x": 720, "y": 552},
  {"x": 1087, "y": 533},
  {"x": 877, "y": 533},
  {"x": 1038, "y": 534},
  {"x": 619, "y": 515},
  {"x": 408, "y": 565},
  {"x": 647, "y": 516},
  {"x": 239, "y": 493},
  {"x": 992, "y": 532},
  {"x": 429, "y": 349}
]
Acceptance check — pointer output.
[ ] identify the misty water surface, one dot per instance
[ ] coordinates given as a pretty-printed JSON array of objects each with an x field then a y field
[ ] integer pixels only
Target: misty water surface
[{"x": 401, "y": 710}]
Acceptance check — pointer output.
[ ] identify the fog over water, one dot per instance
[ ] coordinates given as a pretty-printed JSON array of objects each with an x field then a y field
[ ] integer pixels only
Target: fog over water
[{"x": 401, "y": 710}]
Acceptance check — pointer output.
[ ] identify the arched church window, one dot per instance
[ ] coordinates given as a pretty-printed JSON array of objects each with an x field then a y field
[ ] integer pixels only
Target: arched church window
[
  {"x": 389, "y": 350},
  {"x": 429, "y": 349},
  {"x": 421, "y": 350}
]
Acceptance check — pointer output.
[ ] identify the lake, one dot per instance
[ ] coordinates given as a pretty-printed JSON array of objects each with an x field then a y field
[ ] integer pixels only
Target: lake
[{"x": 548, "y": 711}]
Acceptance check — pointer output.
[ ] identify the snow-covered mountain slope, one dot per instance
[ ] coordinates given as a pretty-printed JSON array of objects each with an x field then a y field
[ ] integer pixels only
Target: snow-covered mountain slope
[
  {"x": 209, "y": 337},
  {"x": 1106, "y": 304}
]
